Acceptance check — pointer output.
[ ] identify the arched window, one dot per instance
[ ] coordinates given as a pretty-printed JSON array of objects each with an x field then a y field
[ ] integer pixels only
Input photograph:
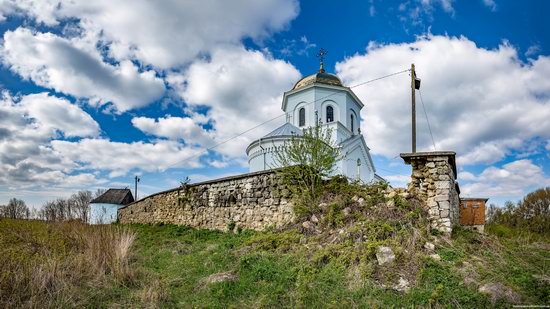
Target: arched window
[
  {"x": 351, "y": 123},
  {"x": 302, "y": 117},
  {"x": 330, "y": 114}
]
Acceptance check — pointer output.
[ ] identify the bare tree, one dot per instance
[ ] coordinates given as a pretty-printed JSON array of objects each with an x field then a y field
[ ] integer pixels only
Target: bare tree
[
  {"x": 16, "y": 209},
  {"x": 80, "y": 202}
]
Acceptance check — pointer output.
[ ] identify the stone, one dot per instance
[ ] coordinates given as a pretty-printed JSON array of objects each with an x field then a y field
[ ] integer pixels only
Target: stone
[
  {"x": 442, "y": 184},
  {"x": 361, "y": 201},
  {"x": 444, "y": 205},
  {"x": 384, "y": 255},
  {"x": 308, "y": 225},
  {"x": 429, "y": 246},
  {"x": 435, "y": 257},
  {"x": 498, "y": 291},
  {"x": 220, "y": 277},
  {"x": 430, "y": 164},
  {"x": 346, "y": 211},
  {"x": 402, "y": 285},
  {"x": 314, "y": 218}
]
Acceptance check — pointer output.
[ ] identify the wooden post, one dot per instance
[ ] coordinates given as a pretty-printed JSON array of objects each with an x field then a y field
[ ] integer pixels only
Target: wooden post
[{"x": 413, "y": 75}]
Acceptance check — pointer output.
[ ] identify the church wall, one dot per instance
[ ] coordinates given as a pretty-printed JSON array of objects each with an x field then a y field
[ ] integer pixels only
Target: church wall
[{"x": 252, "y": 201}]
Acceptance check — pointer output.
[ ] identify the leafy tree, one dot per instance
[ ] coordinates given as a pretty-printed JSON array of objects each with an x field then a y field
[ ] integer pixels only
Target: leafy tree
[
  {"x": 534, "y": 210},
  {"x": 306, "y": 160},
  {"x": 531, "y": 213},
  {"x": 16, "y": 209}
]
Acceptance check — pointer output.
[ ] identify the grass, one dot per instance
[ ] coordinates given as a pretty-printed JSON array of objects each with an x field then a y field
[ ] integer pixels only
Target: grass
[{"x": 166, "y": 266}]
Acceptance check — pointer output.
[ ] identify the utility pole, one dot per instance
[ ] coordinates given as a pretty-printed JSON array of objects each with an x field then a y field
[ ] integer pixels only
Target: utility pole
[
  {"x": 135, "y": 191},
  {"x": 415, "y": 84}
]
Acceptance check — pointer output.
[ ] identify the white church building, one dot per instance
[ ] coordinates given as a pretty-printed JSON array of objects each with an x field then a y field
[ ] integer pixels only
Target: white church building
[{"x": 320, "y": 98}]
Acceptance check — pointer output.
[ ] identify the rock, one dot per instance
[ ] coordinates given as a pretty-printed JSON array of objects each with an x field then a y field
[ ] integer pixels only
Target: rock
[
  {"x": 390, "y": 204},
  {"x": 221, "y": 277},
  {"x": 436, "y": 257},
  {"x": 322, "y": 205},
  {"x": 392, "y": 194},
  {"x": 402, "y": 285},
  {"x": 498, "y": 290},
  {"x": 308, "y": 225},
  {"x": 361, "y": 201},
  {"x": 384, "y": 255},
  {"x": 429, "y": 246},
  {"x": 355, "y": 198},
  {"x": 346, "y": 211},
  {"x": 314, "y": 219}
]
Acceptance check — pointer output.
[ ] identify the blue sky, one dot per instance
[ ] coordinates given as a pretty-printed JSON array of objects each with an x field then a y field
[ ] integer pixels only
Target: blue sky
[{"x": 95, "y": 93}]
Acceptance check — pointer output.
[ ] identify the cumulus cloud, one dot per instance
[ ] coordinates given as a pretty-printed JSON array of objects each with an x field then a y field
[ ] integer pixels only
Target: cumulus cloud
[
  {"x": 175, "y": 128},
  {"x": 482, "y": 103},
  {"x": 166, "y": 33},
  {"x": 120, "y": 158},
  {"x": 27, "y": 124},
  {"x": 55, "y": 62},
  {"x": 241, "y": 88},
  {"x": 509, "y": 181}
]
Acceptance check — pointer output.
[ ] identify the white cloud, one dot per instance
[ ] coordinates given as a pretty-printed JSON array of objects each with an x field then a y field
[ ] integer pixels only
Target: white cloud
[
  {"x": 59, "y": 115},
  {"x": 166, "y": 33},
  {"x": 175, "y": 128},
  {"x": 419, "y": 11},
  {"x": 120, "y": 158},
  {"x": 481, "y": 103},
  {"x": 510, "y": 181},
  {"x": 242, "y": 88},
  {"x": 490, "y": 4},
  {"x": 27, "y": 124},
  {"x": 58, "y": 63}
]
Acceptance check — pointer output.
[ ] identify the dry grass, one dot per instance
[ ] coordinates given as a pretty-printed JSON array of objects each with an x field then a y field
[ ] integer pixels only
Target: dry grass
[{"x": 60, "y": 264}]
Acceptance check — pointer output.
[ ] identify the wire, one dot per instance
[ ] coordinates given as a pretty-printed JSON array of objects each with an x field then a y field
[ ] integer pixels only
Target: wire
[
  {"x": 427, "y": 120},
  {"x": 277, "y": 117}
]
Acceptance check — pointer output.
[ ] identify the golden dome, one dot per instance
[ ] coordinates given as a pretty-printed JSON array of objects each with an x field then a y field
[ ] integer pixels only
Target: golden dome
[{"x": 321, "y": 78}]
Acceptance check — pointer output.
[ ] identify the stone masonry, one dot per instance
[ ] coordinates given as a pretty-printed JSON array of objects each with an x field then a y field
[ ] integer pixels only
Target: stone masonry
[
  {"x": 433, "y": 180},
  {"x": 250, "y": 201}
]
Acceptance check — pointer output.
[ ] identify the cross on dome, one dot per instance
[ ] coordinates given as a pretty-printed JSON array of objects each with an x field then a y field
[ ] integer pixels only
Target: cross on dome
[{"x": 321, "y": 55}]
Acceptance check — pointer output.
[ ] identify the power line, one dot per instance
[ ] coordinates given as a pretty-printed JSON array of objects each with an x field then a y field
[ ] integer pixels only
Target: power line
[
  {"x": 427, "y": 120},
  {"x": 269, "y": 120}
]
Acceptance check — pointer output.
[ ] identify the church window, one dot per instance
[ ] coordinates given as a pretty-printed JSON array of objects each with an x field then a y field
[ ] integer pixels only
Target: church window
[
  {"x": 351, "y": 123},
  {"x": 330, "y": 114},
  {"x": 302, "y": 117}
]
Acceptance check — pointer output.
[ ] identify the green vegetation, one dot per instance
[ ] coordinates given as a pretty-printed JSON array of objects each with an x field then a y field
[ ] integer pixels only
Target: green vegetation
[
  {"x": 531, "y": 214},
  {"x": 331, "y": 263},
  {"x": 327, "y": 259},
  {"x": 307, "y": 160}
]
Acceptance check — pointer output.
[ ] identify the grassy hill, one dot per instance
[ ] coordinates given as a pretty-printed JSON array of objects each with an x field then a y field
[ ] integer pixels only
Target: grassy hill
[{"x": 327, "y": 261}]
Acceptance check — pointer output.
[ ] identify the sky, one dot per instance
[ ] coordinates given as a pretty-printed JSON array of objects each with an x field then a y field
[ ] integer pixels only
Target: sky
[{"x": 94, "y": 93}]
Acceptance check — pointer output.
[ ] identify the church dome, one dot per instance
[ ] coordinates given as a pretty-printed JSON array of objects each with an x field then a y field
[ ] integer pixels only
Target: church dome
[{"x": 319, "y": 77}]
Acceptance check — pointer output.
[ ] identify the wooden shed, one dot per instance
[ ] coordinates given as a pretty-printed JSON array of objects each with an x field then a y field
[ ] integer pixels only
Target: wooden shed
[{"x": 472, "y": 212}]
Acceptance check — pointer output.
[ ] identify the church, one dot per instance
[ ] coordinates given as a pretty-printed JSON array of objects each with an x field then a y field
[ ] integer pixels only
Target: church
[{"x": 322, "y": 99}]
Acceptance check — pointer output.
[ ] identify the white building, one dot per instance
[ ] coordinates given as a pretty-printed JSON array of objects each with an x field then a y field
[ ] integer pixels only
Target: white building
[
  {"x": 104, "y": 208},
  {"x": 320, "y": 97}
]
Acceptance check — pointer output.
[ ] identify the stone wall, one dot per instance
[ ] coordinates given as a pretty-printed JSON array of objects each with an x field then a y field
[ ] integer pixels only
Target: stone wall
[
  {"x": 252, "y": 201},
  {"x": 433, "y": 179}
]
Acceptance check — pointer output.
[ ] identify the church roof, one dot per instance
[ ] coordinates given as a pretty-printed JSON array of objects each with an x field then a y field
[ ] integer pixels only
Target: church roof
[
  {"x": 287, "y": 129},
  {"x": 320, "y": 77}
]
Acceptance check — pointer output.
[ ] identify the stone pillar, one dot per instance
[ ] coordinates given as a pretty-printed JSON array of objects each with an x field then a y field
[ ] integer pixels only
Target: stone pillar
[{"x": 433, "y": 180}]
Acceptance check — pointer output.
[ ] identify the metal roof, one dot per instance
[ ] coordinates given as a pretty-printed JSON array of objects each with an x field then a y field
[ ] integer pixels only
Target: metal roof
[{"x": 286, "y": 129}]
